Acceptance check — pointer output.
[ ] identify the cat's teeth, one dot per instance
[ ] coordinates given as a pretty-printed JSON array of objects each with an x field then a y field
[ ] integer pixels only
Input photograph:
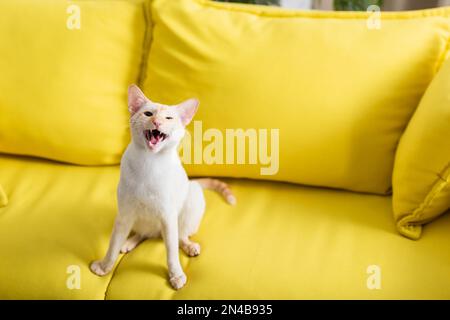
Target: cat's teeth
[{"x": 154, "y": 137}]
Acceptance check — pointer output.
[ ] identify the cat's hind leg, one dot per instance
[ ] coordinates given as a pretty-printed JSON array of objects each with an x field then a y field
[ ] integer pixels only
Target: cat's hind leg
[
  {"x": 132, "y": 242},
  {"x": 191, "y": 248},
  {"x": 190, "y": 218}
]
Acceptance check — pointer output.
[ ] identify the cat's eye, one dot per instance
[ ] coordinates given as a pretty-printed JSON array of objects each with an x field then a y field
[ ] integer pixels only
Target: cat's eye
[
  {"x": 169, "y": 118},
  {"x": 148, "y": 113}
]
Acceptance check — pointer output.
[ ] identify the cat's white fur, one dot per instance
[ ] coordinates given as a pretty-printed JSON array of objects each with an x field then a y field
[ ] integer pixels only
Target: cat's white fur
[{"x": 155, "y": 196}]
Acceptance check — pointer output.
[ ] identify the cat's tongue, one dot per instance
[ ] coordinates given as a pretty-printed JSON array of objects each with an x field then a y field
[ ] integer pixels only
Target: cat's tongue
[{"x": 154, "y": 140}]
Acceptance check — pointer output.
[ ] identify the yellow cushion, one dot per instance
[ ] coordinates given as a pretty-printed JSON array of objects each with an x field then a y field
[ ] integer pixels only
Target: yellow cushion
[
  {"x": 63, "y": 89},
  {"x": 339, "y": 93},
  {"x": 285, "y": 241},
  {"x": 52, "y": 227},
  {"x": 3, "y": 197},
  {"x": 421, "y": 180},
  {"x": 280, "y": 241}
]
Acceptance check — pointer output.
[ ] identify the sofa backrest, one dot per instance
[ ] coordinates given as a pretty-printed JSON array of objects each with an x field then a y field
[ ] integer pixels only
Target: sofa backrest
[
  {"x": 64, "y": 72},
  {"x": 321, "y": 98},
  {"x": 317, "y": 98}
]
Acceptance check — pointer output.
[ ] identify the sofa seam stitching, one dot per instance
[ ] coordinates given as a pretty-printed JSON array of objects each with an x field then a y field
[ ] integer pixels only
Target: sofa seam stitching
[
  {"x": 148, "y": 40},
  {"x": 434, "y": 191},
  {"x": 105, "y": 296},
  {"x": 3, "y": 198},
  {"x": 442, "y": 59}
]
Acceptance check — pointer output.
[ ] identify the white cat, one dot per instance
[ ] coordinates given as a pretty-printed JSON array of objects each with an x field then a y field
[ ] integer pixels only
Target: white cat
[{"x": 155, "y": 196}]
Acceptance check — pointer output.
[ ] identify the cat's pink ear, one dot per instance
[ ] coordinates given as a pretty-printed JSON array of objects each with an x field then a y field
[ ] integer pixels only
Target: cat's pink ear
[
  {"x": 187, "y": 110},
  {"x": 136, "y": 99}
]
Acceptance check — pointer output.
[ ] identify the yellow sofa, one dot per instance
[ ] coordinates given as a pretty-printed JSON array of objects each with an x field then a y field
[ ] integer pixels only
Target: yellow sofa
[{"x": 294, "y": 235}]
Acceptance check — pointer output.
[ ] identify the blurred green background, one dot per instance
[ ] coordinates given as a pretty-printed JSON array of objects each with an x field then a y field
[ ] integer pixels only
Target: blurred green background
[
  {"x": 345, "y": 5},
  {"x": 355, "y": 5},
  {"x": 267, "y": 2}
]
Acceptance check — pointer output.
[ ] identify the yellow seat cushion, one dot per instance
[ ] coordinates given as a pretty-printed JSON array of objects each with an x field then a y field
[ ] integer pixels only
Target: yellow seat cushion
[
  {"x": 285, "y": 241},
  {"x": 280, "y": 241},
  {"x": 421, "y": 177},
  {"x": 340, "y": 94},
  {"x": 54, "y": 220},
  {"x": 63, "y": 88}
]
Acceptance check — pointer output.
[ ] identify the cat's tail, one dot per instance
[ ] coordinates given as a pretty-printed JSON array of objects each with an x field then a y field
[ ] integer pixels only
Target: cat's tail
[{"x": 218, "y": 186}]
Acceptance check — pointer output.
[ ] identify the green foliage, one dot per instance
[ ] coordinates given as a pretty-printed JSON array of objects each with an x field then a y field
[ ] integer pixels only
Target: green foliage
[
  {"x": 342, "y": 5},
  {"x": 355, "y": 5},
  {"x": 266, "y": 2}
]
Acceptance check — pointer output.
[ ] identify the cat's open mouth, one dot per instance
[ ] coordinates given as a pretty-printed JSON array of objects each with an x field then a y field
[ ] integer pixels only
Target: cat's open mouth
[{"x": 154, "y": 137}]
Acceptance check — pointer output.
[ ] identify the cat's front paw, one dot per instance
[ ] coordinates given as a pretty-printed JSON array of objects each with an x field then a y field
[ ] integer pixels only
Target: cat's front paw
[
  {"x": 99, "y": 269},
  {"x": 178, "y": 282}
]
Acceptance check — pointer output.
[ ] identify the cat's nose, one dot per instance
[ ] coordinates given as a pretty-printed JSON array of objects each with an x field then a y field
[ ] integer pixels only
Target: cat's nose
[{"x": 156, "y": 123}]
